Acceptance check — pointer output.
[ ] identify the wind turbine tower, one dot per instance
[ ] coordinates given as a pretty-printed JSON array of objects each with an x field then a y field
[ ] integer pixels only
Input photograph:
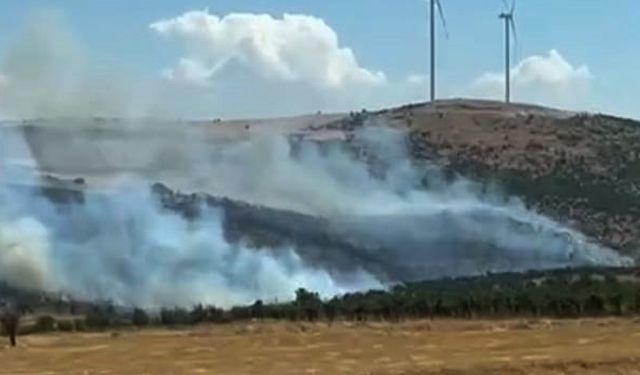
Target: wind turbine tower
[
  {"x": 433, "y": 4},
  {"x": 509, "y": 28}
]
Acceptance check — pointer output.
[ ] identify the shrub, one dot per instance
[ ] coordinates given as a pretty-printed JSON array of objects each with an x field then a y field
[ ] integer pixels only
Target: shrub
[
  {"x": 217, "y": 315},
  {"x": 177, "y": 316},
  {"x": 198, "y": 315},
  {"x": 44, "y": 323},
  {"x": 97, "y": 319},
  {"x": 80, "y": 325},
  {"x": 65, "y": 325},
  {"x": 140, "y": 318}
]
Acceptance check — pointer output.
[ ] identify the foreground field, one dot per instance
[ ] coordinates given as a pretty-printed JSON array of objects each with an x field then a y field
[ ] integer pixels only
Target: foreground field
[{"x": 440, "y": 347}]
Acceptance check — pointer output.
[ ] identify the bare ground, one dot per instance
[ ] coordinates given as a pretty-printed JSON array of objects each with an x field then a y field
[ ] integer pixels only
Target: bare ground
[{"x": 429, "y": 347}]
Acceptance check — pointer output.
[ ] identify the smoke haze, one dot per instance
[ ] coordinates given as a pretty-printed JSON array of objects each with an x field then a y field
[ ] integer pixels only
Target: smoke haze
[{"x": 121, "y": 245}]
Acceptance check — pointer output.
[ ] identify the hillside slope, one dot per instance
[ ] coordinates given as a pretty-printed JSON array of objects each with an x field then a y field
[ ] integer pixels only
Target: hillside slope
[{"x": 581, "y": 169}]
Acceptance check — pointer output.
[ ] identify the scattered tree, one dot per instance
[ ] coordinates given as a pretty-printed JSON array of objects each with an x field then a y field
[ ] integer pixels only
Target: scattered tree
[
  {"x": 10, "y": 319},
  {"x": 45, "y": 323},
  {"x": 140, "y": 318}
]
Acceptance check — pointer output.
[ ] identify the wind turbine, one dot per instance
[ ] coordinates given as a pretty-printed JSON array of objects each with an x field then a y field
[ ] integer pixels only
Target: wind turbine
[
  {"x": 432, "y": 23},
  {"x": 509, "y": 28}
]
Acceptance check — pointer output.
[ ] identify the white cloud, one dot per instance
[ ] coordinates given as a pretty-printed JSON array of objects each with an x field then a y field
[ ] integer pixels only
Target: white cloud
[
  {"x": 294, "y": 48},
  {"x": 547, "y": 79},
  {"x": 417, "y": 79},
  {"x": 190, "y": 72},
  {"x": 244, "y": 59}
]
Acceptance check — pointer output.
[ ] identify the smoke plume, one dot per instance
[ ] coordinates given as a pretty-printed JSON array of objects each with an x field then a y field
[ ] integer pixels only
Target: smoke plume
[{"x": 119, "y": 244}]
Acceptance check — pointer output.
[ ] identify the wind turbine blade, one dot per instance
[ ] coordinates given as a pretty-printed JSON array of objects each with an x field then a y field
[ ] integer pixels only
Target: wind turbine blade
[
  {"x": 513, "y": 6},
  {"x": 516, "y": 42},
  {"x": 442, "y": 18},
  {"x": 506, "y": 5}
]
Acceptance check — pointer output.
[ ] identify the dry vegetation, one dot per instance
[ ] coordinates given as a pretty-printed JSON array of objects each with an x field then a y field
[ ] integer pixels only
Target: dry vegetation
[{"x": 610, "y": 346}]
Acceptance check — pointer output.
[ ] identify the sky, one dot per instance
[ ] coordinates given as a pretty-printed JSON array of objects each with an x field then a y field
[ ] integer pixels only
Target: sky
[{"x": 253, "y": 58}]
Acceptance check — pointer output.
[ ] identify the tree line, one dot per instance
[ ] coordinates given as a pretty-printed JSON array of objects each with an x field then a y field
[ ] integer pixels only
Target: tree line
[{"x": 551, "y": 294}]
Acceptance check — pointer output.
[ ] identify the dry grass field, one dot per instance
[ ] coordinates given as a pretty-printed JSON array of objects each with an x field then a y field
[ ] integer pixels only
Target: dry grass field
[{"x": 609, "y": 346}]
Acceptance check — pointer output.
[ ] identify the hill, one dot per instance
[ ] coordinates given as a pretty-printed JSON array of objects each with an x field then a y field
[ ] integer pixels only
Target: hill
[{"x": 578, "y": 168}]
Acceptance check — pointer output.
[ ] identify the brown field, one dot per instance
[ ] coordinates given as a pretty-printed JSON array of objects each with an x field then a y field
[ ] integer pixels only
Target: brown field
[{"x": 430, "y": 347}]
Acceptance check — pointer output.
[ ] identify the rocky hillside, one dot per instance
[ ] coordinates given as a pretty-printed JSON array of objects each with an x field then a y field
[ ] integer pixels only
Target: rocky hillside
[{"x": 581, "y": 169}]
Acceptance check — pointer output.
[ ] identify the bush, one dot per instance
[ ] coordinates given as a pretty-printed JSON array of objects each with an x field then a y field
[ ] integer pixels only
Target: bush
[
  {"x": 177, "y": 316},
  {"x": 198, "y": 315},
  {"x": 44, "y": 323},
  {"x": 140, "y": 318},
  {"x": 97, "y": 319},
  {"x": 65, "y": 325},
  {"x": 217, "y": 315},
  {"x": 80, "y": 325}
]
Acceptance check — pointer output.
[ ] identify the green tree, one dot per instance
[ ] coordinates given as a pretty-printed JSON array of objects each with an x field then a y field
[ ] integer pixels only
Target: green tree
[
  {"x": 309, "y": 304},
  {"x": 140, "y": 318},
  {"x": 257, "y": 310},
  {"x": 10, "y": 320},
  {"x": 45, "y": 323}
]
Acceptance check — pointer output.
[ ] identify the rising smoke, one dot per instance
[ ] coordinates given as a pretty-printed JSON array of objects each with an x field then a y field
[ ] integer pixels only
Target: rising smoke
[{"x": 120, "y": 245}]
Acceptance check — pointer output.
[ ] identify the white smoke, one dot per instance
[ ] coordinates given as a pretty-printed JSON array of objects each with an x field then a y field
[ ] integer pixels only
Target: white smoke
[
  {"x": 48, "y": 72},
  {"x": 120, "y": 245},
  {"x": 123, "y": 248},
  {"x": 447, "y": 229},
  {"x": 24, "y": 254}
]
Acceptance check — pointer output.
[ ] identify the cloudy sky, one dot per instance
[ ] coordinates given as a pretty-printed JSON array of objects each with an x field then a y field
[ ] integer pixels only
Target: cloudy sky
[{"x": 246, "y": 58}]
